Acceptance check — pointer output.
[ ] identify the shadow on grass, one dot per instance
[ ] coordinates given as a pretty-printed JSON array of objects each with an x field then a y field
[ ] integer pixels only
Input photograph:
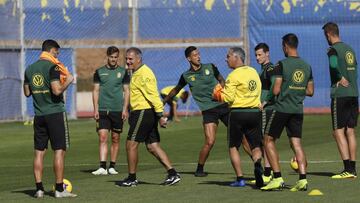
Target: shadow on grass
[
  {"x": 31, "y": 193},
  {"x": 87, "y": 170},
  {"x": 209, "y": 173},
  {"x": 327, "y": 174},
  {"x": 118, "y": 183}
]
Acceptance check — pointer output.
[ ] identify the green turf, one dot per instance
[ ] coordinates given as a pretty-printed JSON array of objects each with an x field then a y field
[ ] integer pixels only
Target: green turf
[{"x": 182, "y": 143}]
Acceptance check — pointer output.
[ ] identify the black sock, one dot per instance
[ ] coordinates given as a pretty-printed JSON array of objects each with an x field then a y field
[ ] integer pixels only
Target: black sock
[
  {"x": 200, "y": 167},
  {"x": 277, "y": 174},
  {"x": 39, "y": 186},
  {"x": 257, "y": 164},
  {"x": 267, "y": 171},
  {"x": 103, "y": 164},
  {"x": 302, "y": 176},
  {"x": 353, "y": 166},
  {"x": 59, "y": 187},
  {"x": 112, "y": 164},
  {"x": 347, "y": 165},
  {"x": 239, "y": 178},
  {"x": 172, "y": 172},
  {"x": 132, "y": 176}
]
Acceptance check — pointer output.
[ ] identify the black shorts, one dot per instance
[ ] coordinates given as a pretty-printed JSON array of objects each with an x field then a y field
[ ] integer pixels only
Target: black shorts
[
  {"x": 53, "y": 127},
  {"x": 219, "y": 112},
  {"x": 278, "y": 120},
  {"x": 344, "y": 112},
  {"x": 245, "y": 123},
  {"x": 110, "y": 120},
  {"x": 143, "y": 126},
  {"x": 265, "y": 117}
]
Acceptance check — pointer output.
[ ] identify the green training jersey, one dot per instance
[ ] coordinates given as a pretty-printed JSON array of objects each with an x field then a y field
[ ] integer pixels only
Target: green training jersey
[
  {"x": 266, "y": 85},
  {"x": 39, "y": 76},
  {"x": 343, "y": 63},
  {"x": 295, "y": 74},
  {"x": 201, "y": 83},
  {"x": 111, "y": 81}
]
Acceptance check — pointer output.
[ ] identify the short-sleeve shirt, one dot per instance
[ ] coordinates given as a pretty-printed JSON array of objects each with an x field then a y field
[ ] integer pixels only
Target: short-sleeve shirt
[
  {"x": 201, "y": 83},
  {"x": 111, "y": 81},
  {"x": 346, "y": 67},
  {"x": 265, "y": 76},
  {"x": 295, "y": 74},
  {"x": 39, "y": 76}
]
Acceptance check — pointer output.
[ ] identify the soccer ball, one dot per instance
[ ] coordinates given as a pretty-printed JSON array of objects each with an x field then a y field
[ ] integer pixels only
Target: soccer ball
[
  {"x": 66, "y": 184},
  {"x": 294, "y": 164},
  {"x": 217, "y": 93}
]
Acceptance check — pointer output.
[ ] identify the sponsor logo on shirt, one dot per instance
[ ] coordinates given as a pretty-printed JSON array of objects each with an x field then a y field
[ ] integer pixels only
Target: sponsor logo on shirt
[
  {"x": 298, "y": 76},
  {"x": 38, "y": 80},
  {"x": 349, "y": 58}
]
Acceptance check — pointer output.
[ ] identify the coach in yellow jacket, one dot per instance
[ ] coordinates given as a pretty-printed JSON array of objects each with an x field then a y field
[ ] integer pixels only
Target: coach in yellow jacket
[
  {"x": 242, "y": 92},
  {"x": 146, "y": 111}
]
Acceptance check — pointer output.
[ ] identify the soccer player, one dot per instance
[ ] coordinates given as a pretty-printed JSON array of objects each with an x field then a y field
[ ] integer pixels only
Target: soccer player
[
  {"x": 293, "y": 82},
  {"x": 111, "y": 101},
  {"x": 146, "y": 111},
  {"x": 183, "y": 95},
  {"x": 42, "y": 82},
  {"x": 262, "y": 54},
  {"x": 242, "y": 92},
  {"x": 344, "y": 98},
  {"x": 202, "y": 78}
]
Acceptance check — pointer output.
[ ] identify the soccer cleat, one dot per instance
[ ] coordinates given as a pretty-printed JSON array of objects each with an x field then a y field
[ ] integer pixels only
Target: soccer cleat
[
  {"x": 172, "y": 180},
  {"x": 63, "y": 194},
  {"x": 39, "y": 194},
  {"x": 344, "y": 175},
  {"x": 258, "y": 172},
  {"x": 112, "y": 171},
  {"x": 129, "y": 183},
  {"x": 100, "y": 171},
  {"x": 301, "y": 185},
  {"x": 266, "y": 180},
  {"x": 274, "y": 184},
  {"x": 240, "y": 183},
  {"x": 200, "y": 174}
]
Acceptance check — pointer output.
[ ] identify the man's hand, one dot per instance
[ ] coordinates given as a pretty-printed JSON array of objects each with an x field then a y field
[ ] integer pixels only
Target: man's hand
[
  {"x": 343, "y": 82},
  {"x": 96, "y": 115},
  {"x": 262, "y": 105},
  {"x": 125, "y": 115},
  {"x": 163, "y": 122}
]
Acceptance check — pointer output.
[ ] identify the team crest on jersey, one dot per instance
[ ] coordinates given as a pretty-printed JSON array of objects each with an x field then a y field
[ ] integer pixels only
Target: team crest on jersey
[
  {"x": 192, "y": 77},
  {"x": 118, "y": 75},
  {"x": 38, "y": 80},
  {"x": 298, "y": 76},
  {"x": 252, "y": 85},
  {"x": 207, "y": 72},
  {"x": 349, "y": 58}
]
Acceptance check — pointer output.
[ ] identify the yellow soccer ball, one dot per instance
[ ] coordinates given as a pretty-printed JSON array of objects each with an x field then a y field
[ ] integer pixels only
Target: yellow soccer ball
[
  {"x": 294, "y": 164},
  {"x": 66, "y": 184}
]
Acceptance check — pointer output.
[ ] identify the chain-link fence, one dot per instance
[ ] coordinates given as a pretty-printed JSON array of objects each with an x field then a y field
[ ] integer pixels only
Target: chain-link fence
[{"x": 162, "y": 28}]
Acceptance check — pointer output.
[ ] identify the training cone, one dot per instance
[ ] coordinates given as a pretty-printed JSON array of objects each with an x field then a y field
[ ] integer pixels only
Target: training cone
[{"x": 315, "y": 192}]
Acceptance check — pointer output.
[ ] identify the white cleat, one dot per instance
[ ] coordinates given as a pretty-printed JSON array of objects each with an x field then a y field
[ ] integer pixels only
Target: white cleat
[
  {"x": 100, "y": 171},
  {"x": 39, "y": 194},
  {"x": 64, "y": 193},
  {"x": 112, "y": 171}
]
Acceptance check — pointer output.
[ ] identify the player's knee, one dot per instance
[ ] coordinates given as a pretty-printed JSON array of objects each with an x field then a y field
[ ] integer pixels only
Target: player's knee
[
  {"x": 210, "y": 142},
  {"x": 115, "y": 139}
]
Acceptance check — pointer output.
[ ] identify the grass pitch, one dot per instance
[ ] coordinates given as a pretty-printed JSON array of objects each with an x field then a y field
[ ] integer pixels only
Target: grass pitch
[{"x": 182, "y": 142}]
